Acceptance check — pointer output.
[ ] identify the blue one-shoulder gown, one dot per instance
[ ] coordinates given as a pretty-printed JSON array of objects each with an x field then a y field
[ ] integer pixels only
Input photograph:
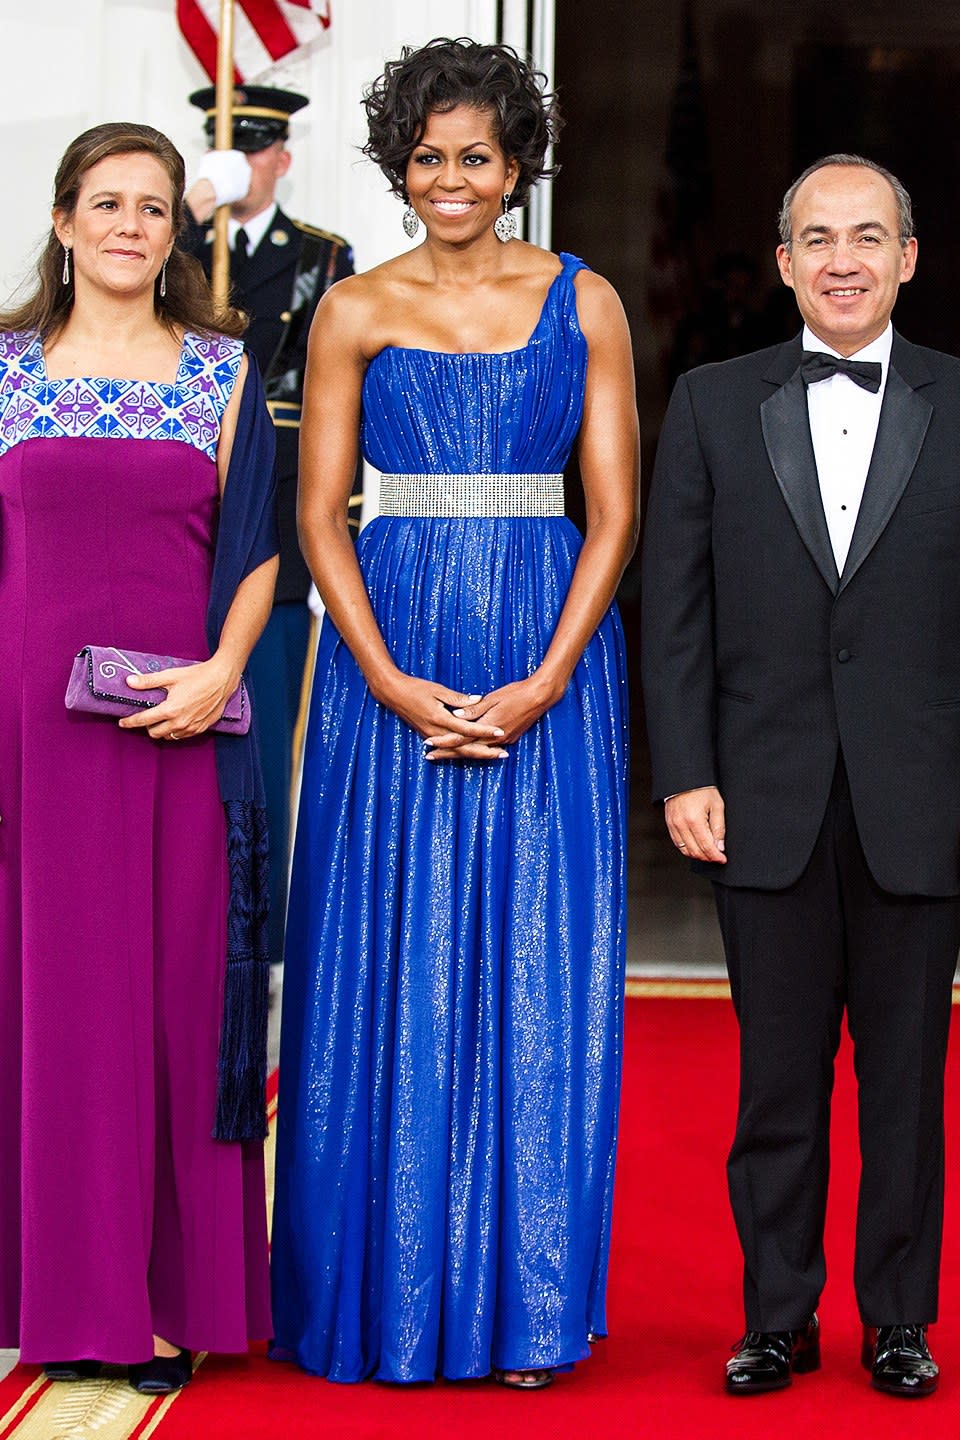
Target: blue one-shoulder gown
[{"x": 452, "y": 1010}]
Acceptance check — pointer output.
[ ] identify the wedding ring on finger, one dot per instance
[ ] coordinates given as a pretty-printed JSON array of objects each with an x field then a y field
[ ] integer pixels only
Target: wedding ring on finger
[{"x": 681, "y": 847}]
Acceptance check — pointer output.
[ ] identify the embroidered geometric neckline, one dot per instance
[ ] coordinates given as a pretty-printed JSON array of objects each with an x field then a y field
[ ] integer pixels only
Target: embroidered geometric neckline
[{"x": 188, "y": 411}]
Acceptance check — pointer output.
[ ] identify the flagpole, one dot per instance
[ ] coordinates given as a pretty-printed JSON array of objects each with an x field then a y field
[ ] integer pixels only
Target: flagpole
[{"x": 223, "y": 140}]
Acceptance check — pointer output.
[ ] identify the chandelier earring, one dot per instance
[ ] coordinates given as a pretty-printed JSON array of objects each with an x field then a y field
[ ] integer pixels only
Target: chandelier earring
[
  {"x": 505, "y": 225},
  {"x": 411, "y": 221},
  {"x": 163, "y": 280},
  {"x": 65, "y": 276}
]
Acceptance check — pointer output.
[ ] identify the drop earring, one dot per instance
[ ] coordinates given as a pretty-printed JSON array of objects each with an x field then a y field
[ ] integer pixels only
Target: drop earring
[
  {"x": 411, "y": 221},
  {"x": 163, "y": 280},
  {"x": 65, "y": 276},
  {"x": 505, "y": 225}
]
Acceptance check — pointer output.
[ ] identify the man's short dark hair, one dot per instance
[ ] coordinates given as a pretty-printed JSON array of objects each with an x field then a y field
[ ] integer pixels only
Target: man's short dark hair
[{"x": 904, "y": 206}]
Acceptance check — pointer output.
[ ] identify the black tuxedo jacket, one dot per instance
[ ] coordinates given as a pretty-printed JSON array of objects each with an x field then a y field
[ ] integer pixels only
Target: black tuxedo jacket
[{"x": 760, "y": 659}]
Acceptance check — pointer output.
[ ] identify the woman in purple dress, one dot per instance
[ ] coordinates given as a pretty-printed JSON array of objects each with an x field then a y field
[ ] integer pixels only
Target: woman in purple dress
[{"x": 136, "y": 512}]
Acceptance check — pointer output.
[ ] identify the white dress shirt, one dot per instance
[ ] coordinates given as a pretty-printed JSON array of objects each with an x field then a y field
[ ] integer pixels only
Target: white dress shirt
[
  {"x": 843, "y": 425},
  {"x": 255, "y": 228}
]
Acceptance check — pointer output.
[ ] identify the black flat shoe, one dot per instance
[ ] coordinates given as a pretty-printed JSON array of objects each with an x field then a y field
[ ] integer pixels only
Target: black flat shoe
[
  {"x": 162, "y": 1374},
  {"x": 72, "y": 1369},
  {"x": 898, "y": 1359},
  {"x": 768, "y": 1359}
]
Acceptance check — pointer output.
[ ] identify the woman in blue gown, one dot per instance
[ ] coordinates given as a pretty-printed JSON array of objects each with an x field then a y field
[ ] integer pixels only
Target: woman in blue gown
[{"x": 452, "y": 1015}]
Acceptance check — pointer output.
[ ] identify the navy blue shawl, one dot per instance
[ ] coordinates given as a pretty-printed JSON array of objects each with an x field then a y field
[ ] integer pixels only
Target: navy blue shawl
[{"x": 246, "y": 537}]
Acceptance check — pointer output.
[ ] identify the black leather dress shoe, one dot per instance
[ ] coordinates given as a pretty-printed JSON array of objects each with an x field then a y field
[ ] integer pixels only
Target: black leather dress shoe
[
  {"x": 162, "y": 1374},
  {"x": 768, "y": 1359},
  {"x": 72, "y": 1369},
  {"x": 898, "y": 1359}
]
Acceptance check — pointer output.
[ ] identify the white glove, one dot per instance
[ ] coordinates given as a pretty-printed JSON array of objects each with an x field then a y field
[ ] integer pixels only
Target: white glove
[
  {"x": 228, "y": 172},
  {"x": 314, "y": 603}
]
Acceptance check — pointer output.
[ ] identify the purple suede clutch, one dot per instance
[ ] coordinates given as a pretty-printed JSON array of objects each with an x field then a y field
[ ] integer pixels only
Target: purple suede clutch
[{"x": 98, "y": 684}]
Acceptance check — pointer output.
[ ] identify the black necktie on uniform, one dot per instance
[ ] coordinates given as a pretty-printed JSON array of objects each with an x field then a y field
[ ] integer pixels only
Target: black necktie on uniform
[
  {"x": 241, "y": 252},
  {"x": 817, "y": 365}
]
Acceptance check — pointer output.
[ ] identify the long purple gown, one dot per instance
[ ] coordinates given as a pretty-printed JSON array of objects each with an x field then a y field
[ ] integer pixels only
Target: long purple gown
[{"x": 121, "y": 1217}]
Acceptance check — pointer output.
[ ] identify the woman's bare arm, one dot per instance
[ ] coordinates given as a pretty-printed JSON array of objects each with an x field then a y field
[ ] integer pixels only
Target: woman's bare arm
[
  {"x": 196, "y": 695},
  {"x": 609, "y": 450},
  {"x": 337, "y": 360}
]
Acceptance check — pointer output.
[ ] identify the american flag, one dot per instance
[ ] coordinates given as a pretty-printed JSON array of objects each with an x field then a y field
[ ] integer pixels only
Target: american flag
[{"x": 264, "y": 31}]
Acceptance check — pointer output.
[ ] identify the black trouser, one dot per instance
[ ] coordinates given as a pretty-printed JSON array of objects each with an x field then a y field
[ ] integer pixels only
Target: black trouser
[{"x": 796, "y": 958}]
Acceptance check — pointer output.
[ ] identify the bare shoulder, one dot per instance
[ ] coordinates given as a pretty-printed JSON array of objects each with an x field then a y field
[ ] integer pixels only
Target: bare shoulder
[
  {"x": 353, "y": 310},
  {"x": 346, "y": 300},
  {"x": 598, "y": 305},
  {"x": 344, "y": 316},
  {"x": 528, "y": 259},
  {"x": 529, "y": 266}
]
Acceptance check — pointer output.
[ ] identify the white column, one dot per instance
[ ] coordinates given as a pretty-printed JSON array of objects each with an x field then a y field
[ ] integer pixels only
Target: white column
[
  {"x": 529, "y": 26},
  {"x": 70, "y": 64}
]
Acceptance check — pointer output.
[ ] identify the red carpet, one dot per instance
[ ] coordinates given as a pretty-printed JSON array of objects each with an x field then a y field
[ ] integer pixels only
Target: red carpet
[{"x": 674, "y": 1297}]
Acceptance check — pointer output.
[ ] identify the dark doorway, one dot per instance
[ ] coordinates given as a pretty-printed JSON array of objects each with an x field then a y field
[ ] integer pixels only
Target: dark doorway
[
  {"x": 686, "y": 121},
  {"x": 897, "y": 105}
]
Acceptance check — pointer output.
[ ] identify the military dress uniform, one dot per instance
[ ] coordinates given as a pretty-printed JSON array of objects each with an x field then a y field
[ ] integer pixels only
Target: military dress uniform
[{"x": 279, "y": 285}]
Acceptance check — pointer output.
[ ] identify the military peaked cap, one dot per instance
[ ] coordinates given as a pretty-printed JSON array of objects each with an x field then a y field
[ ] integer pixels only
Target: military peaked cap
[{"x": 261, "y": 114}]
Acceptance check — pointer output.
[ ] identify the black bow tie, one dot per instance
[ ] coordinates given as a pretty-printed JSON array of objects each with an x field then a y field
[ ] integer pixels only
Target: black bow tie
[{"x": 817, "y": 365}]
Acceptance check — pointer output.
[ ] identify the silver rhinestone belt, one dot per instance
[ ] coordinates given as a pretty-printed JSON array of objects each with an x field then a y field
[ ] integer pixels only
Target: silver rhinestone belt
[{"x": 462, "y": 496}]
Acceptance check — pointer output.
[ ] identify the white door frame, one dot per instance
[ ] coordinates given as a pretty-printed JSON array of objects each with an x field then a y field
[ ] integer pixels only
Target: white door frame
[{"x": 530, "y": 27}]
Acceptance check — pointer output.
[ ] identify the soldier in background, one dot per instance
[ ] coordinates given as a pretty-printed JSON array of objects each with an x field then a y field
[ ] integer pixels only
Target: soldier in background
[{"x": 279, "y": 269}]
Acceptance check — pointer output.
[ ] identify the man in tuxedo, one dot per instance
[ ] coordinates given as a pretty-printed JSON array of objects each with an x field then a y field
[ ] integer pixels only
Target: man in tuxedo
[
  {"x": 802, "y": 684},
  {"x": 279, "y": 270}
]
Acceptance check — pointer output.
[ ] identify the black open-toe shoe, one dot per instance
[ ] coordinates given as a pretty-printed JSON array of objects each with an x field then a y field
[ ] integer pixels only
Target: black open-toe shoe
[
  {"x": 524, "y": 1379},
  {"x": 72, "y": 1369},
  {"x": 162, "y": 1374}
]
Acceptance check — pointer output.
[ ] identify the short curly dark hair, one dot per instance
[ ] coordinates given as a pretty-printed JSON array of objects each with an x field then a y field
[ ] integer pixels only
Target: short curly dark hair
[{"x": 445, "y": 73}]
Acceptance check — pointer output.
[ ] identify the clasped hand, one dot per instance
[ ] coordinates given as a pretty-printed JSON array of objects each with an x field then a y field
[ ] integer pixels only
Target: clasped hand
[
  {"x": 457, "y": 726},
  {"x": 196, "y": 696}
]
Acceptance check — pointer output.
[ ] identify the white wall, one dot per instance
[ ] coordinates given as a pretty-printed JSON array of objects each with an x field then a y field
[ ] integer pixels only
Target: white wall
[
  {"x": 76, "y": 63},
  {"x": 70, "y": 64}
]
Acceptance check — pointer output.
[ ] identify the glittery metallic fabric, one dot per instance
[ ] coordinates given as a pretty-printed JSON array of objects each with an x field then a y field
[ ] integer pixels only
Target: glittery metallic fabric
[{"x": 452, "y": 1020}]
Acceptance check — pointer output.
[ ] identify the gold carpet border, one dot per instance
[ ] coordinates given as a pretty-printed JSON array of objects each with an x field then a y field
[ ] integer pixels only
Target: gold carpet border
[
  {"x": 163, "y": 1407},
  {"x": 107, "y": 1408},
  {"x": 678, "y": 989},
  {"x": 21, "y": 1401},
  {"x": 80, "y": 1409}
]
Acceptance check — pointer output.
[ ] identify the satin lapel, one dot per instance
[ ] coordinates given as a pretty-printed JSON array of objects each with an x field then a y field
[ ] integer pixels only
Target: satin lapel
[
  {"x": 904, "y": 417},
  {"x": 786, "y": 434}
]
